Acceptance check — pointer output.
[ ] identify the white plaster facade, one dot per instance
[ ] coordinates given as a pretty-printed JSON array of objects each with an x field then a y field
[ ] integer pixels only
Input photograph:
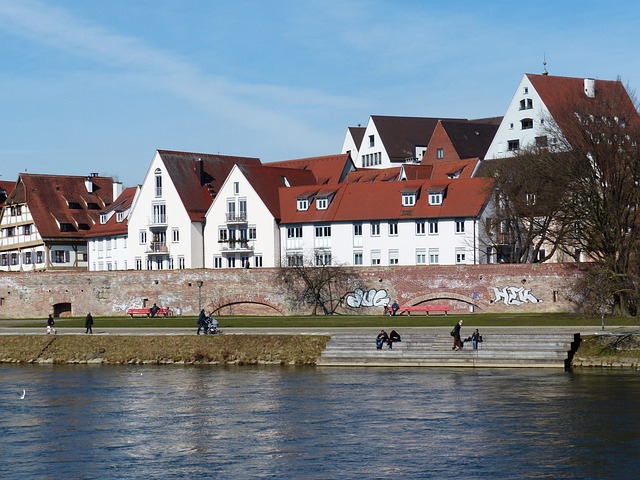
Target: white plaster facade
[
  {"x": 161, "y": 233},
  {"x": 371, "y": 153},
  {"x": 22, "y": 246}
]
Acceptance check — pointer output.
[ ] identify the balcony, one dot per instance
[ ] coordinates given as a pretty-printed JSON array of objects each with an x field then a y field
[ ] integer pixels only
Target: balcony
[
  {"x": 158, "y": 248},
  {"x": 237, "y": 246},
  {"x": 158, "y": 221},
  {"x": 236, "y": 218}
]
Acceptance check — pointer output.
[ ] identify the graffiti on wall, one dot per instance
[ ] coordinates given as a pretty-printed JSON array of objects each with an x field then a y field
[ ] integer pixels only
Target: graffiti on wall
[
  {"x": 514, "y": 296},
  {"x": 360, "y": 298}
]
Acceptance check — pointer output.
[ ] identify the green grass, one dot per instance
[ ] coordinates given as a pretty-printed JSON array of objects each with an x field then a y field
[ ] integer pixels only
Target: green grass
[{"x": 470, "y": 320}]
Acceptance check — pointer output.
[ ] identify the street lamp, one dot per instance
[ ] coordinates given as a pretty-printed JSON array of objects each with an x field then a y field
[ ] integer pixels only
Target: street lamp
[{"x": 199, "y": 283}]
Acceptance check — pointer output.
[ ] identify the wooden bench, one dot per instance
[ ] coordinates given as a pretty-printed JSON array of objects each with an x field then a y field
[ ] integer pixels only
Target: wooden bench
[
  {"x": 427, "y": 309},
  {"x": 162, "y": 311}
]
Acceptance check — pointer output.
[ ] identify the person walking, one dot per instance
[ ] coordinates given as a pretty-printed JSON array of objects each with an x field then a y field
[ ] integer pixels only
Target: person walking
[
  {"x": 202, "y": 322},
  {"x": 457, "y": 342},
  {"x": 88, "y": 323},
  {"x": 50, "y": 324}
]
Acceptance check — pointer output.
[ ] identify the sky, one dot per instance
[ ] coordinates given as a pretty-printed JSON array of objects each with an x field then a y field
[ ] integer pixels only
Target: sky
[{"x": 98, "y": 86}]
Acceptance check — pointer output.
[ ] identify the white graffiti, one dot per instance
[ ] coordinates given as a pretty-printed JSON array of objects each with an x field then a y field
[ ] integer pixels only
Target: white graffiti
[
  {"x": 514, "y": 296},
  {"x": 372, "y": 298}
]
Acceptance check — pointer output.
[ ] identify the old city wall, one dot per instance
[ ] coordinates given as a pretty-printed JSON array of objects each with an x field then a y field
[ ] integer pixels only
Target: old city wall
[{"x": 481, "y": 288}]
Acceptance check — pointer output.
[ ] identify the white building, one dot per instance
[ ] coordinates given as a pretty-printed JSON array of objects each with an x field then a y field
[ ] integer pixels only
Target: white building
[
  {"x": 107, "y": 242},
  {"x": 167, "y": 220}
]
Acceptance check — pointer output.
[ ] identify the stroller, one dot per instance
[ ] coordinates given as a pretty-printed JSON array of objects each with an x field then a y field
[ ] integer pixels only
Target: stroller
[{"x": 212, "y": 326}]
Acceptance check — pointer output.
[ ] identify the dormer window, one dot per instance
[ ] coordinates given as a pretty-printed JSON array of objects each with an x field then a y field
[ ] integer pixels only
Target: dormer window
[
  {"x": 303, "y": 204},
  {"x": 74, "y": 206},
  {"x": 322, "y": 203},
  {"x": 119, "y": 217},
  {"x": 408, "y": 199},
  {"x": 435, "y": 198},
  {"x": 103, "y": 218}
]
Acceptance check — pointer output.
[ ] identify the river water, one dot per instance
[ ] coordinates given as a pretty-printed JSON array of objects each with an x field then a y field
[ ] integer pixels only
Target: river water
[{"x": 167, "y": 422}]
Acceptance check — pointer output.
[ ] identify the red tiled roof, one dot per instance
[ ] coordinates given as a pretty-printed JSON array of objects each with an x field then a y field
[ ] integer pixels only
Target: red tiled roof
[
  {"x": 266, "y": 180},
  {"x": 445, "y": 170},
  {"x": 383, "y": 201},
  {"x": 198, "y": 177},
  {"x": 7, "y": 187},
  {"x": 47, "y": 195},
  {"x": 368, "y": 175},
  {"x": 327, "y": 169},
  {"x": 113, "y": 227}
]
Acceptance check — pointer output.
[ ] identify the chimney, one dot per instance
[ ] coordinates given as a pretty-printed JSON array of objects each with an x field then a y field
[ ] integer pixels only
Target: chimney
[
  {"x": 201, "y": 171},
  {"x": 590, "y": 87},
  {"x": 88, "y": 183},
  {"x": 117, "y": 190}
]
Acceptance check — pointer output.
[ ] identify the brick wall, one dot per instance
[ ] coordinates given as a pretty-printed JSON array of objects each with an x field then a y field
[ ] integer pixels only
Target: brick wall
[{"x": 489, "y": 288}]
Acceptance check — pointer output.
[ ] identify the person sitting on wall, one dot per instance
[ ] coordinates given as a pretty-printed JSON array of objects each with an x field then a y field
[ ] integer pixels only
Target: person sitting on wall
[
  {"x": 394, "y": 336},
  {"x": 153, "y": 310}
]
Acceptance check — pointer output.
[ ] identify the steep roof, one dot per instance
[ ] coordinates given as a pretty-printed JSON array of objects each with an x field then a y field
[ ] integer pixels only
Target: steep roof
[
  {"x": 456, "y": 169},
  {"x": 54, "y": 200},
  {"x": 357, "y": 134},
  {"x": 368, "y": 175},
  {"x": 327, "y": 169},
  {"x": 6, "y": 188},
  {"x": 401, "y": 135},
  {"x": 383, "y": 201},
  {"x": 198, "y": 177},
  {"x": 470, "y": 139},
  {"x": 266, "y": 180},
  {"x": 112, "y": 226}
]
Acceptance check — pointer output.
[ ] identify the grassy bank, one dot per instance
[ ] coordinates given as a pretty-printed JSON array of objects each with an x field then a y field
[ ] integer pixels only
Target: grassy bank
[{"x": 191, "y": 349}]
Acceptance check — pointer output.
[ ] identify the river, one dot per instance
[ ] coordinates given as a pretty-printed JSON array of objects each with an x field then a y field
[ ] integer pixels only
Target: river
[{"x": 97, "y": 421}]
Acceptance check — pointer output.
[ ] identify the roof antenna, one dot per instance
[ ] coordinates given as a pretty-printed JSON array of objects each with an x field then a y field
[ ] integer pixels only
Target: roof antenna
[{"x": 544, "y": 70}]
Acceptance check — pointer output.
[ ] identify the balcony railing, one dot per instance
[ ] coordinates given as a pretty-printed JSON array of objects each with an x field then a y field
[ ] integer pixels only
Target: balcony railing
[
  {"x": 237, "y": 246},
  {"x": 158, "y": 248},
  {"x": 158, "y": 221},
  {"x": 233, "y": 217}
]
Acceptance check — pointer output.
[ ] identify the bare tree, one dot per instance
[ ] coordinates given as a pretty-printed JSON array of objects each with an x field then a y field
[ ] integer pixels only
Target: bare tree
[{"x": 322, "y": 287}]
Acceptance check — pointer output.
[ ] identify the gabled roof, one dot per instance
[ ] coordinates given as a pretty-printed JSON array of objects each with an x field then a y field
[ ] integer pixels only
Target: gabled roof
[
  {"x": 458, "y": 169},
  {"x": 559, "y": 92},
  {"x": 266, "y": 180},
  {"x": 469, "y": 139},
  {"x": 6, "y": 188},
  {"x": 198, "y": 177},
  {"x": 368, "y": 175},
  {"x": 327, "y": 169},
  {"x": 47, "y": 198},
  {"x": 357, "y": 134},
  {"x": 401, "y": 135},
  {"x": 113, "y": 227},
  {"x": 383, "y": 201},
  {"x": 416, "y": 172}
]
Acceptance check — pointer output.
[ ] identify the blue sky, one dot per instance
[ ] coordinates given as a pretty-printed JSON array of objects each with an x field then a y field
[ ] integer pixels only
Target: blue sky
[{"x": 98, "y": 86}]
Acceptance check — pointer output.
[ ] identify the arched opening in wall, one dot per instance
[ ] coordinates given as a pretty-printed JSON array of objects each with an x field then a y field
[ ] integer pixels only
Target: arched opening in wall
[
  {"x": 62, "y": 309},
  {"x": 247, "y": 308},
  {"x": 458, "y": 303}
]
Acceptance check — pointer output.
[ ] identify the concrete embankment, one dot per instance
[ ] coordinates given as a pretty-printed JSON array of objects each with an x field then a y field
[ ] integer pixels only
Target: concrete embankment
[
  {"x": 161, "y": 349},
  {"x": 622, "y": 350}
]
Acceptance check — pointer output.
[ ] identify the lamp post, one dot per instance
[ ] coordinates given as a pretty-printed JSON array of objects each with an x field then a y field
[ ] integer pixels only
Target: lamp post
[{"x": 199, "y": 283}]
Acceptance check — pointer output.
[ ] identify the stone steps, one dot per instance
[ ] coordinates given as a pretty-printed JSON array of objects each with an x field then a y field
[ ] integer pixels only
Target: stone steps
[{"x": 434, "y": 350}]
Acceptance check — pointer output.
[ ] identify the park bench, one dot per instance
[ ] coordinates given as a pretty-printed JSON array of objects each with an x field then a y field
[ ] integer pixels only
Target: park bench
[
  {"x": 427, "y": 309},
  {"x": 162, "y": 311}
]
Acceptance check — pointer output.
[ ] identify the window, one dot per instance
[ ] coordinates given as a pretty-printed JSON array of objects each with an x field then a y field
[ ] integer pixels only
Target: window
[
  {"x": 143, "y": 237},
  {"x": 74, "y": 206},
  {"x": 357, "y": 258},
  {"x": 433, "y": 227},
  {"x": 372, "y": 141},
  {"x": 303, "y": 204},
  {"x": 434, "y": 256},
  {"x": 393, "y": 229},
  {"x": 295, "y": 260},
  {"x": 513, "y": 145},
  {"x": 257, "y": 261},
  {"x": 217, "y": 262},
  {"x": 26, "y": 258},
  {"x": 67, "y": 227},
  {"x": 526, "y": 123},
  {"x": 322, "y": 203},
  {"x": 236, "y": 188},
  {"x": 159, "y": 211},
  {"x": 525, "y": 90},
  {"x": 175, "y": 235},
  {"x": 542, "y": 142},
  {"x": 242, "y": 205},
  {"x": 61, "y": 256},
  {"x": 394, "y": 256},
  {"x": 93, "y": 206},
  {"x": 529, "y": 103},
  {"x": 440, "y": 153},
  {"x": 138, "y": 263},
  {"x": 181, "y": 263},
  {"x": 120, "y": 217},
  {"x": 10, "y": 232},
  {"x": 357, "y": 230},
  {"x": 40, "y": 257},
  {"x": 530, "y": 198},
  {"x": 4, "y": 260},
  {"x": 461, "y": 256},
  {"x": 323, "y": 258},
  {"x": 421, "y": 257},
  {"x": 420, "y": 227},
  {"x": 252, "y": 233},
  {"x": 103, "y": 218},
  {"x": 375, "y": 257},
  {"x": 323, "y": 231},
  {"x": 435, "y": 198},
  {"x": 459, "y": 226},
  {"x": 158, "y": 178},
  {"x": 14, "y": 259},
  {"x": 408, "y": 199},
  {"x": 223, "y": 235},
  {"x": 375, "y": 229},
  {"x": 294, "y": 232}
]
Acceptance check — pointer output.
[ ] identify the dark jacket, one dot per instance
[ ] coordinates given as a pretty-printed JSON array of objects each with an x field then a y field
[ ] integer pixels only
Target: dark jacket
[{"x": 88, "y": 321}]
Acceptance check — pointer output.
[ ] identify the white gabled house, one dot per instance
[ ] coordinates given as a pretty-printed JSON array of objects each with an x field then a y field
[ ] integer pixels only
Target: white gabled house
[
  {"x": 242, "y": 222},
  {"x": 167, "y": 220}
]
